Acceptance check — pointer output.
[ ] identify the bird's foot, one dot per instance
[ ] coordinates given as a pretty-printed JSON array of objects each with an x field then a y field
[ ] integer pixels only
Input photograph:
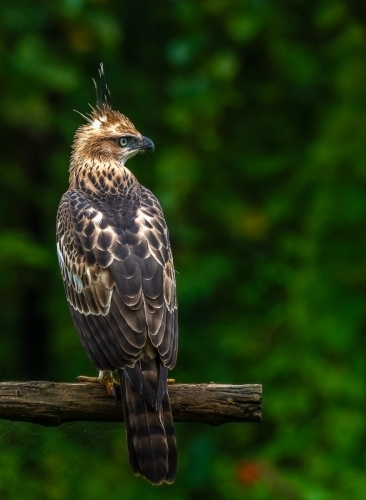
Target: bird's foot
[
  {"x": 171, "y": 381},
  {"x": 105, "y": 378}
]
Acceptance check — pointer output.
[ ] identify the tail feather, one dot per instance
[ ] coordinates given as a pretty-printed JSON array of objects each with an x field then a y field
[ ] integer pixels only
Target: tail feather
[
  {"x": 150, "y": 432},
  {"x": 131, "y": 431},
  {"x": 170, "y": 437}
]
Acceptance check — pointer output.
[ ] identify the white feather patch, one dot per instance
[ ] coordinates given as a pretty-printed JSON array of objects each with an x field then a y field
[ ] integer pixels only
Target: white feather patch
[
  {"x": 96, "y": 124},
  {"x": 98, "y": 218},
  {"x": 77, "y": 283},
  {"x": 60, "y": 257}
]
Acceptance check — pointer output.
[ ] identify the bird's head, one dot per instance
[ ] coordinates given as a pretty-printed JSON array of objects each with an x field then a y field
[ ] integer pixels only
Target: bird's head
[{"x": 108, "y": 135}]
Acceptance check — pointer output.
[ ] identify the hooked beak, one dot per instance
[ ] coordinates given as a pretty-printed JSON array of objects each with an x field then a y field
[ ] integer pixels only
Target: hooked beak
[{"x": 147, "y": 144}]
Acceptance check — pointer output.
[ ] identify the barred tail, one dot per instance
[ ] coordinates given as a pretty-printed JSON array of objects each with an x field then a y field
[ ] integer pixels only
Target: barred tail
[{"x": 150, "y": 433}]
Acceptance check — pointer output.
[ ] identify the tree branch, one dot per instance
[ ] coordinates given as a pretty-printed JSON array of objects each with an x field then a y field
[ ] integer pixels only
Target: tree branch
[{"x": 50, "y": 403}]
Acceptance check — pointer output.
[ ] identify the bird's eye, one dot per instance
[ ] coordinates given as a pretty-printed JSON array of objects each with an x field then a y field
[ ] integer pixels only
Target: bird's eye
[{"x": 123, "y": 141}]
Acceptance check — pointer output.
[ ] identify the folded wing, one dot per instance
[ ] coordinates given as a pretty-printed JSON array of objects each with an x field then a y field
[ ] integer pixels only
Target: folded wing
[{"x": 119, "y": 278}]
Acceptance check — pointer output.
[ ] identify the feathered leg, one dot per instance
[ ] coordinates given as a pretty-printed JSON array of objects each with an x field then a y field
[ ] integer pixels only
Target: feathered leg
[{"x": 149, "y": 423}]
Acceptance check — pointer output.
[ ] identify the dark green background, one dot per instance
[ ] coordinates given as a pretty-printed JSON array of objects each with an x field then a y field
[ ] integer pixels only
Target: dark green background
[{"x": 258, "y": 113}]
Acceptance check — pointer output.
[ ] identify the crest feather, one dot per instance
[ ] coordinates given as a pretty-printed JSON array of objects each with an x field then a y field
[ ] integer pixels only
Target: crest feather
[
  {"x": 103, "y": 95},
  {"x": 102, "y": 112}
]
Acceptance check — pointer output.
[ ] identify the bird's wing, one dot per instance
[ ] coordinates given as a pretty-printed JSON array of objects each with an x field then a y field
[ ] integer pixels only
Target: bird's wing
[
  {"x": 119, "y": 279},
  {"x": 160, "y": 291}
]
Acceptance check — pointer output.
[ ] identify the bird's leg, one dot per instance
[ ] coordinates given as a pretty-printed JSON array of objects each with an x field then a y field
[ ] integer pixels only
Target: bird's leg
[
  {"x": 171, "y": 381},
  {"x": 105, "y": 378}
]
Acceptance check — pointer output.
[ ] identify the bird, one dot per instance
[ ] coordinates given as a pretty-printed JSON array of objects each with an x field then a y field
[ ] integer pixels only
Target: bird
[{"x": 117, "y": 269}]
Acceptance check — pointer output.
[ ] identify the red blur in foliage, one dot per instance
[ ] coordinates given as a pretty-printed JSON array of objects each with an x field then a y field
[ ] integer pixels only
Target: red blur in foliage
[{"x": 249, "y": 473}]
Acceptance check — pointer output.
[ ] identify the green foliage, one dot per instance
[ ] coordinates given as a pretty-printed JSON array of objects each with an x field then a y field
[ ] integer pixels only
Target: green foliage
[{"x": 257, "y": 111}]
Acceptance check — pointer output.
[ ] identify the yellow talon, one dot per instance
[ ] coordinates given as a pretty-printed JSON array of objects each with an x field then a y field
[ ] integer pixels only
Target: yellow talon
[
  {"x": 171, "y": 380},
  {"x": 105, "y": 378}
]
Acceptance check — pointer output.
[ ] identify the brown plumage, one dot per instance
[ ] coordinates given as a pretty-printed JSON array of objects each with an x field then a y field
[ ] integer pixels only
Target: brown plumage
[{"x": 117, "y": 267}]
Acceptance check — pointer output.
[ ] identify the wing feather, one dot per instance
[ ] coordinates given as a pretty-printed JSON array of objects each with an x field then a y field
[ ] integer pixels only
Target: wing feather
[{"x": 119, "y": 278}]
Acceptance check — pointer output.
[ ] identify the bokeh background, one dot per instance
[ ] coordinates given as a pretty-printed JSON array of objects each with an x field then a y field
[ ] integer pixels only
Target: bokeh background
[{"x": 258, "y": 113}]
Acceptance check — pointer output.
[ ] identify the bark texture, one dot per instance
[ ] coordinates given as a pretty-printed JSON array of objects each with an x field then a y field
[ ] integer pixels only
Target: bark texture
[{"x": 51, "y": 404}]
